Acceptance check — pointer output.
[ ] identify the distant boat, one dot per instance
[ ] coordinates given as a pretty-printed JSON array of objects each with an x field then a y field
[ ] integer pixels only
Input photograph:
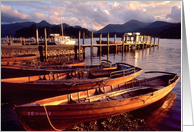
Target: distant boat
[
  {"x": 64, "y": 40},
  {"x": 60, "y": 112}
]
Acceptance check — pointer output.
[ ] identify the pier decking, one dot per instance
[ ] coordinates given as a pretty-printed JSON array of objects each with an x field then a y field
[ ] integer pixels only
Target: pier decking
[{"x": 127, "y": 42}]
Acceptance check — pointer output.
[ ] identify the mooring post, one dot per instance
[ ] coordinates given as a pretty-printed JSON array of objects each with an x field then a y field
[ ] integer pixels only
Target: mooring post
[
  {"x": 151, "y": 40},
  {"x": 123, "y": 42},
  {"x": 9, "y": 41},
  {"x": 154, "y": 40},
  {"x": 158, "y": 40},
  {"x": 108, "y": 42},
  {"x": 24, "y": 41},
  {"x": 79, "y": 35},
  {"x": 45, "y": 42},
  {"x": 37, "y": 41},
  {"x": 91, "y": 44},
  {"x": 83, "y": 48},
  {"x": 100, "y": 39},
  {"x": 83, "y": 36},
  {"x": 115, "y": 43}
]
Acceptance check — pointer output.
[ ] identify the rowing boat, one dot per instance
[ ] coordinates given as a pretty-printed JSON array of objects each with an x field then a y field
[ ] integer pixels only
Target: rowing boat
[
  {"x": 60, "y": 112},
  {"x": 21, "y": 69},
  {"x": 61, "y": 83},
  {"x": 13, "y": 58}
]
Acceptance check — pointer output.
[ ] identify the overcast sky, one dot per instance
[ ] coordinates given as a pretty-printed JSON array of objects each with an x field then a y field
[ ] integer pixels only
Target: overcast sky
[{"x": 92, "y": 15}]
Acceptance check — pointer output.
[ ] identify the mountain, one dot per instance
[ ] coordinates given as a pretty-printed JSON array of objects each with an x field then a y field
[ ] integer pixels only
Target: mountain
[
  {"x": 172, "y": 32},
  {"x": 154, "y": 28},
  {"x": 157, "y": 28},
  {"x": 9, "y": 29},
  {"x": 44, "y": 24},
  {"x": 151, "y": 29},
  {"x": 128, "y": 26}
]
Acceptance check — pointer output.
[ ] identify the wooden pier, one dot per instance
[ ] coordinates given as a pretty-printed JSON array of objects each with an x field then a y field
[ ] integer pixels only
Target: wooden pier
[{"x": 127, "y": 43}]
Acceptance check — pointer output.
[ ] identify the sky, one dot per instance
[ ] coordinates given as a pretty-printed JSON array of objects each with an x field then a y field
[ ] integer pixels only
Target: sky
[{"x": 93, "y": 15}]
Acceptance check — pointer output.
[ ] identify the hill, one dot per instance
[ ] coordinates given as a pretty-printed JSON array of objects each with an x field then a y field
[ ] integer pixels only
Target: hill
[
  {"x": 152, "y": 29},
  {"x": 128, "y": 26}
]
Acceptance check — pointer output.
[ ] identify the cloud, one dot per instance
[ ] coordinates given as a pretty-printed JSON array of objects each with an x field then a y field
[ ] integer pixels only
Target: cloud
[
  {"x": 175, "y": 14},
  {"x": 8, "y": 14},
  {"x": 89, "y": 14}
]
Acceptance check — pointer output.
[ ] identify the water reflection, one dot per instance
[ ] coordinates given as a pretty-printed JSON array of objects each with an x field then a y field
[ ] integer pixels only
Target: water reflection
[{"x": 156, "y": 113}]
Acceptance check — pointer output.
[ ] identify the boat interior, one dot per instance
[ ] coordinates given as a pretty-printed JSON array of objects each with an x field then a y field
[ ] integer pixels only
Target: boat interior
[
  {"x": 77, "y": 76},
  {"x": 129, "y": 89}
]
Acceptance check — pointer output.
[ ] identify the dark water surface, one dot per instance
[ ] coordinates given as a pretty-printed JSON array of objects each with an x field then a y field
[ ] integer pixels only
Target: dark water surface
[{"x": 166, "y": 57}]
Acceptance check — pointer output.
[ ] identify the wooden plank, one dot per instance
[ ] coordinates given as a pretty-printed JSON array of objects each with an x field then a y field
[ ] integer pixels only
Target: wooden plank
[{"x": 111, "y": 94}]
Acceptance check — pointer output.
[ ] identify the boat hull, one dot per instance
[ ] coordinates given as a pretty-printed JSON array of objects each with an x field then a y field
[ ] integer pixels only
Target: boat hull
[
  {"x": 32, "y": 70},
  {"x": 56, "y": 84},
  {"x": 8, "y": 58},
  {"x": 59, "y": 117}
]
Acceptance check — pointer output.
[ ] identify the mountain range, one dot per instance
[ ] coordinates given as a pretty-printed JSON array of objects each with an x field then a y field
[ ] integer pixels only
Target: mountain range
[{"x": 157, "y": 28}]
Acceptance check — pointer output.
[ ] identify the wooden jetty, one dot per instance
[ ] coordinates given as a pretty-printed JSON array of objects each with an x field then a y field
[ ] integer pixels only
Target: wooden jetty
[{"x": 137, "y": 41}]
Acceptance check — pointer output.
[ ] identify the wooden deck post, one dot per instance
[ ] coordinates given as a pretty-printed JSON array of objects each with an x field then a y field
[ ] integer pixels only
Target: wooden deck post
[
  {"x": 9, "y": 41},
  {"x": 45, "y": 42},
  {"x": 154, "y": 40},
  {"x": 37, "y": 41},
  {"x": 79, "y": 35},
  {"x": 91, "y": 44},
  {"x": 83, "y": 48},
  {"x": 24, "y": 41},
  {"x": 136, "y": 45},
  {"x": 123, "y": 42},
  {"x": 83, "y": 36},
  {"x": 100, "y": 41},
  {"x": 108, "y": 42},
  {"x": 158, "y": 40},
  {"x": 151, "y": 40},
  {"x": 115, "y": 43}
]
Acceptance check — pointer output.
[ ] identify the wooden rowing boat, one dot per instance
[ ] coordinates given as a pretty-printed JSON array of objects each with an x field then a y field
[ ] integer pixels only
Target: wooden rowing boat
[
  {"x": 9, "y": 58},
  {"x": 58, "y": 113},
  {"x": 61, "y": 83},
  {"x": 21, "y": 69},
  {"x": 47, "y": 63}
]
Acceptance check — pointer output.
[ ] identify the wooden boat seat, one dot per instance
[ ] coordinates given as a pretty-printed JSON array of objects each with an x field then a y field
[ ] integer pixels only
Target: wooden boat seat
[
  {"x": 155, "y": 86},
  {"x": 73, "y": 80},
  {"x": 101, "y": 74},
  {"x": 112, "y": 94}
]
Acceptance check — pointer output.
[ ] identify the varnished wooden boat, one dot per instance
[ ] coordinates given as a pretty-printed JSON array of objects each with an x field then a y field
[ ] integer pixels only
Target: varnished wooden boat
[
  {"x": 9, "y": 58},
  {"x": 61, "y": 83},
  {"x": 21, "y": 69},
  {"x": 60, "y": 112}
]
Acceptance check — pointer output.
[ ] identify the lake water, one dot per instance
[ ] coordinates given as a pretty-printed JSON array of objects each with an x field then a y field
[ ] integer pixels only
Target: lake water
[{"x": 166, "y": 57}]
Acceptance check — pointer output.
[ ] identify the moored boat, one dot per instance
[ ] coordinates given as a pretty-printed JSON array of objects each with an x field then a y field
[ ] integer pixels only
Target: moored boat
[
  {"x": 13, "y": 58},
  {"x": 22, "y": 69},
  {"x": 60, "y": 112},
  {"x": 76, "y": 80}
]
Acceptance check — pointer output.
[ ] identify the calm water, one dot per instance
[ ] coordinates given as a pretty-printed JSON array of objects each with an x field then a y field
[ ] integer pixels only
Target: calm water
[{"x": 166, "y": 57}]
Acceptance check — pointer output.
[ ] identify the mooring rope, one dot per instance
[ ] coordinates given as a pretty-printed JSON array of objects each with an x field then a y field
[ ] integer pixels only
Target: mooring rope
[{"x": 49, "y": 119}]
